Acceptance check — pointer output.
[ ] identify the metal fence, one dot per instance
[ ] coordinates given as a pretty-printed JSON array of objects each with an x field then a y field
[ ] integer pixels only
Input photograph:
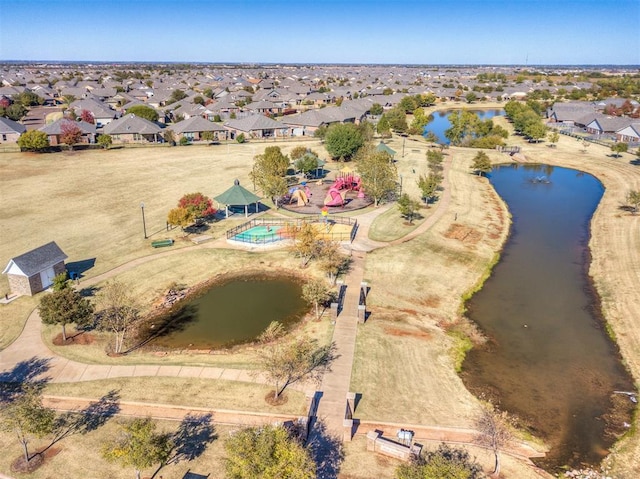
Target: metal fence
[{"x": 241, "y": 232}]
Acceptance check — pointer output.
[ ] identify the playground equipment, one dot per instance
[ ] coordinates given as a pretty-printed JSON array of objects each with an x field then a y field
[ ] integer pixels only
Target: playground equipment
[
  {"x": 345, "y": 182},
  {"x": 300, "y": 196}
]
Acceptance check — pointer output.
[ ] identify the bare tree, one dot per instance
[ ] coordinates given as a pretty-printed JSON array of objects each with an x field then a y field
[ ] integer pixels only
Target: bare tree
[
  {"x": 285, "y": 363},
  {"x": 494, "y": 431},
  {"x": 118, "y": 313},
  {"x": 316, "y": 292}
]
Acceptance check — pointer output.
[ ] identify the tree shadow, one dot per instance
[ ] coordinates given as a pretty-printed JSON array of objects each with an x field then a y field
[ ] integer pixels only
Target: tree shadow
[
  {"x": 31, "y": 372},
  {"x": 88, "y": 419},
  {"x": 191, "y": 439},
  {"x": 171, "y": 322},
  {"x": 326, "y": 451}
]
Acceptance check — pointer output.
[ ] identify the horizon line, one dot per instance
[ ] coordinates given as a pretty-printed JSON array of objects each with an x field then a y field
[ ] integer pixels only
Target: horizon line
[{"x": 272, "y": 63}]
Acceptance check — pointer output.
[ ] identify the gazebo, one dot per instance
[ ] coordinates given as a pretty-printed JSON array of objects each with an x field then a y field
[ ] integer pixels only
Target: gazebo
[
  {"x": 386, "y": 149},
  {"x": 237, "y": 196}
]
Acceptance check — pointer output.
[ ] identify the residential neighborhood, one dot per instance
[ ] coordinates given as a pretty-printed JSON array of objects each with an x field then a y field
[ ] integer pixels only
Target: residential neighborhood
[{"x": 279, "y": 101}]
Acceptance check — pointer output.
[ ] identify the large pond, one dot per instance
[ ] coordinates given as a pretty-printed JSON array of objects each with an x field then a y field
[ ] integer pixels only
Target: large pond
[
  {"x": 232, "y": 312},
  {"x": 549, "y": 359},
  {"x": 440, "y": 121}
]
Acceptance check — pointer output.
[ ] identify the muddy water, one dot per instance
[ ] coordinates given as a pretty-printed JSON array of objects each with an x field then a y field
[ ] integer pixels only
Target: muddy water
[
  {"x": 549, "y": 359},
  {"x": 234, "y": 312}
]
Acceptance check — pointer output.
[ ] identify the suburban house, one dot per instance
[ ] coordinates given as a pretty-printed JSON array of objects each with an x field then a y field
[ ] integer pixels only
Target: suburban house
[
  {"x": 102, "y": 113},
  {"x": 10, "y": 130},
  {"x": 256, "y": 126},
  {"x": 34, "y": 271},
  {"x": 192, "y": 129},
  {"x": 133, "y": 129},
  {"x": 55, "y": 131},
  {"x": 629, "y": 134},
  {"x": 603, "y": 124},
  {"x": 569, "y": 113}
]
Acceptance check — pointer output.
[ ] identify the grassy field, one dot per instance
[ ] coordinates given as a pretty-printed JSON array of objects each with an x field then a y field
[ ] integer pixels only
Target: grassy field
[
  {"x": 218, "y": 394},
  {"x": 79, "y": 456},
  {"x": 89, "y": 203},
  {"x": 406, "y": 330}
]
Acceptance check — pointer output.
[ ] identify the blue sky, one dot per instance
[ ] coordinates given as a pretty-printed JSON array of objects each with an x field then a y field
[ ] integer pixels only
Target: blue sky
[{"x": 323, "y": 31}]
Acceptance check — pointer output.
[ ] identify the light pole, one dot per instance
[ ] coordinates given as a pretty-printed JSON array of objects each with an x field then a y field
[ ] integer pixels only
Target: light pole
[{"x": 144, "y": 224}]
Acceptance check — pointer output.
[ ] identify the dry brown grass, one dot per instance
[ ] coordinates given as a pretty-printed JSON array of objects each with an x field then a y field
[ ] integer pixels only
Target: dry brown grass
[{"x": 89, "y": 203}]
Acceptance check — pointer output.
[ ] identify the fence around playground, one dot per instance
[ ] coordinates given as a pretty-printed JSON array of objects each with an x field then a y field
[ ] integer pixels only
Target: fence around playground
[{"x": 276, "y": 229}]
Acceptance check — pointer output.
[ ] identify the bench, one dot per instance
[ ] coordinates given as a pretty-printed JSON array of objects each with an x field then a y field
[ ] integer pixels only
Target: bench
[{"x": 162, "y": 243}]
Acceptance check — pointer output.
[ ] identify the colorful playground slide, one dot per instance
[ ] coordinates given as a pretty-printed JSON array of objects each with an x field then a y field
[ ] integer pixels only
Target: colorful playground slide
[
  {"x": 300, "y": 196},
  {"x": 335, "y": 197}
]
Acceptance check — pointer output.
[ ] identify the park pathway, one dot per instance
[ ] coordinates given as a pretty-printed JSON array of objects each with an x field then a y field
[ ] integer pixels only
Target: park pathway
[{"x": 332, "y": 407}]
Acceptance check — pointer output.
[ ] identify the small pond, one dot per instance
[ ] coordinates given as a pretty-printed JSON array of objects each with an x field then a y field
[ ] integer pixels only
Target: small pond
[
  {"x": 232, "y": 312},
  {"x": 440, "y": 121},
  {"x": 549, "y": 359}
]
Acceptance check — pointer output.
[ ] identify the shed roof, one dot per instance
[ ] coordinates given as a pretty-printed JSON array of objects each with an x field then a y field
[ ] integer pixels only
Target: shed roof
[{"x": 39, "y": 259}]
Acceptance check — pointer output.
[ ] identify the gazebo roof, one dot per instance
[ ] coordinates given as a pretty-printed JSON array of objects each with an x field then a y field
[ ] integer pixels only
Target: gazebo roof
[
  {"x": 385, "y": 148},
  {"x": 237, "y": 195}
]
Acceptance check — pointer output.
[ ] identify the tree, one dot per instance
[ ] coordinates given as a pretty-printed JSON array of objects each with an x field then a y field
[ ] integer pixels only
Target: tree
[
  {"x": 298, "y": 152},
  {"x": 87, "y": 116},
  {"x": 198, "y": 100},
  {"x": 138, "y": 445},
  {"x": 494, "y": 431},
  {"x": 177, "y": 95},
  {"x": 307, "y": 163},
  {"x": 397, "y": 119},
  {"x": 330, "y": 260},
  {"x": 305, "y": 241},
  {"x": 269, "y": 170},
  {"x": 26, "y": 417},
  {"x": 633, "y": 198},
  {"x": 431, "y": 137},
  {"x": 376, "y": 109},
  {"x": 463, "y": 125},
  {"x": 471, "y": 97},
  {"x": 65, "y": 306},
  {"x": 378, "y": 174},
  {"x": 70, "y": 133},
  {"x": 180, "y": 217},
  {"x": 240, "y": 138},
  {"x": 535, "y": 130},
  {"x": 60, "y": 281},
  {"x": 15, "y": 112},
  {"x": 316, "y": 292},
  {"x": 118, "y": 312},
  {"x": 434, "y": 161},
  {"x": 28, "y": 98},
  {"x": 554, "y": 137},
  {"x": 33, "y": 140},
  {"x": 208, "y": 136},
  {"x": 481, "y": 163},
  {"x": 446, "y": 462},
  {"x": 429, "y": 186},
  {"x": 408, "y": 207},
  {"x": 105, "y": 141},
  {"x": 619, "y": 148},
  {"x": 285, "y": 363},
  {"x": 383, "y": 128},
  {"x": 197, "y": 204},
  {"x": 68, "y": 99},
  {"x": 343, "y": 140},
  {"x": 144, "y": 111},
  {"x": 267, "y": 452}
]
